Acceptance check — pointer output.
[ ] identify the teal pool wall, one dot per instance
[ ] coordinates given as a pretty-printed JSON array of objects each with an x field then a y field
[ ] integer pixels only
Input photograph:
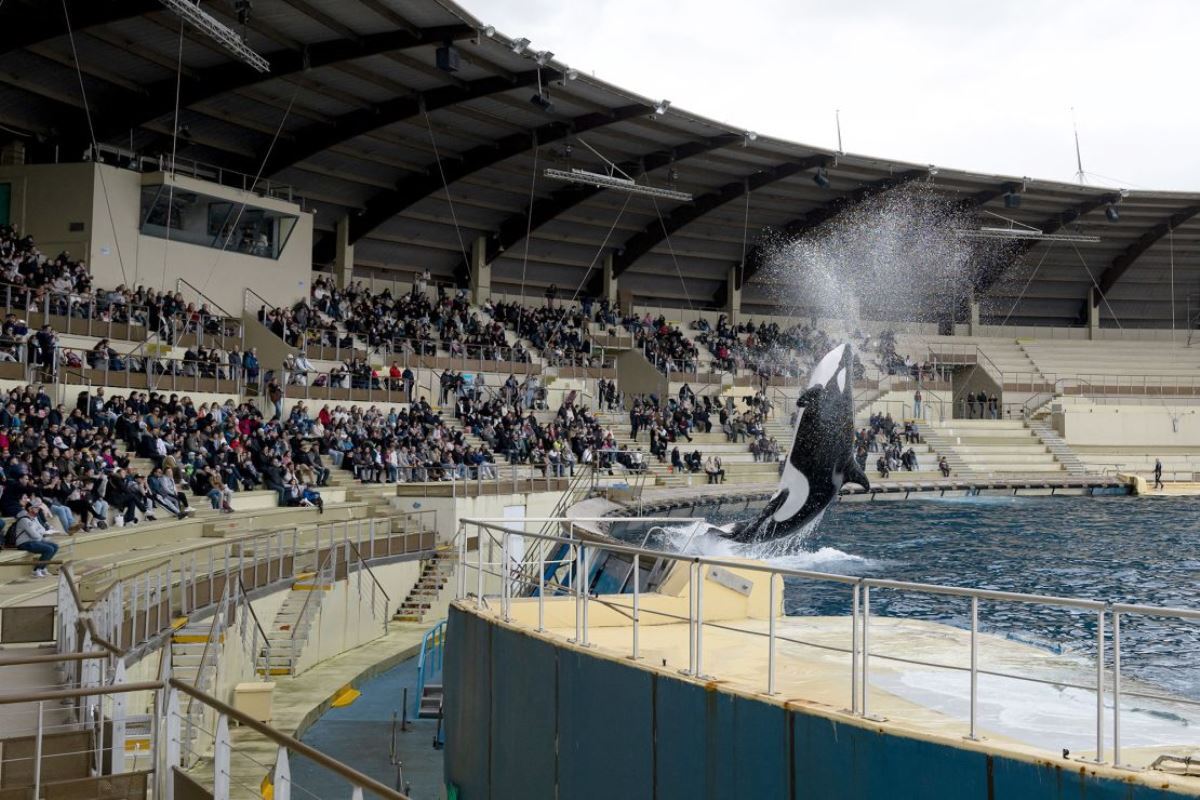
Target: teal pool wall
[{"x": 526, "y": 719}]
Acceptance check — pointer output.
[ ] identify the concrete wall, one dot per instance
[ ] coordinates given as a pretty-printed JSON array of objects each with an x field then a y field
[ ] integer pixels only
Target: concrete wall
[
  {"x": 526, "y": 718},
  {"x": 47, "y": 198},
  {"x": 1082, "y": 423}
]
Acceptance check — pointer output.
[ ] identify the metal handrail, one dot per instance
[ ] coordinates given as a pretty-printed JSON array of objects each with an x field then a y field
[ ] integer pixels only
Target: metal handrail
[
  {"x": 320, "y": 578},
  {"x": 579, "y": 556},
  {"x": 371, "y": 572},
  {"x": 437, "y": 636},
  {"x": 185, "y": 282},
  {"x": 355, "y": 777}
]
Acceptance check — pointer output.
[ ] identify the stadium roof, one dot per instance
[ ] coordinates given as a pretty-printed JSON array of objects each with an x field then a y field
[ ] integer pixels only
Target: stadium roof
[{"x": 356, "y": 115}]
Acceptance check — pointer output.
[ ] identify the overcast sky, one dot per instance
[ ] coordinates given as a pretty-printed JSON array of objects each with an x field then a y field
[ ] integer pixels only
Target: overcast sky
[{"x": 959, "y": 83}]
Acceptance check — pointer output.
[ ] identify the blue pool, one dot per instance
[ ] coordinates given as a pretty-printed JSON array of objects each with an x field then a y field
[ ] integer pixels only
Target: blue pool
[{"x": 1116, "y": 549}]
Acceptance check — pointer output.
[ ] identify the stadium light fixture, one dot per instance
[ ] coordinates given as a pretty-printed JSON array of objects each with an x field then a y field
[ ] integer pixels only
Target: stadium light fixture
[
  {"x": 519, "y": 45},
  {"x": 1012, "y": 199},
  {"x": 218, "y": 32},
  {"x": 602, "y": 181},
  {"x": 542, "y": 101},
  {"x": 821, "y": 178},
  {"x": 488, "y": 30},
  {"x": 662, "y": 107},
  {"x": 1112, "y": 213},
  {"x": 1016, "y": 234},
  {"x": 543, "y": 58},
  {"x": 572, "y": 74},
  {"x": 748, "y": 137},
  {"x": 448, "y": 59}
]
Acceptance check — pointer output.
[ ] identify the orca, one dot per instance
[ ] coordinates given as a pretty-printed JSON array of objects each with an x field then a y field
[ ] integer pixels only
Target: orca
[{"x": 821, "y": 457}]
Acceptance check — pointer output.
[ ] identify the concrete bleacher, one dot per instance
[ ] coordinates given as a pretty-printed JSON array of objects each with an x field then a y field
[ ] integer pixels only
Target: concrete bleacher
[{"x": 998, "y": 447}]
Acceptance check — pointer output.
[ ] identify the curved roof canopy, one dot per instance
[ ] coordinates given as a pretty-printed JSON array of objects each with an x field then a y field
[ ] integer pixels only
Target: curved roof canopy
[{"x": 426, "y": 164}]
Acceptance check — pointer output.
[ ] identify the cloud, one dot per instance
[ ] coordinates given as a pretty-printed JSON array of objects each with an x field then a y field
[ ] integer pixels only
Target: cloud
[{"x": 985, "y": 87}]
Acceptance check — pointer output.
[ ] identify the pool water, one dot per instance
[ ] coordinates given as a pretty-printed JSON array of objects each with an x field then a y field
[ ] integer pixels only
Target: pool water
[{"x": 1115, "y": 549}]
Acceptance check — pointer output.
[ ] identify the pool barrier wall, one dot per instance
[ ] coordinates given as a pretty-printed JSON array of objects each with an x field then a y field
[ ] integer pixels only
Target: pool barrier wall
[{"x": 530, "y": 717}]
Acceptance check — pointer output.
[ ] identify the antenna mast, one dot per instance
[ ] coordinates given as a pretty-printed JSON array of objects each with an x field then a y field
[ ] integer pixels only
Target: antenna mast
[{"x": 1078, "y": 158}]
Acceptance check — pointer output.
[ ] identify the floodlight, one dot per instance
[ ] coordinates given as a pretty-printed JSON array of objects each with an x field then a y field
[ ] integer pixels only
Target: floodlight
[
  {"x": 662, "y": 107},
  {"x": 219, "y": 32},
  {"x": 748, "y": 137},
  {"x": 1012, "y": 199},
  {"x": 1112, "y": 213},
  {"x": 519, "y": 45},
  {"x": 489, "y": 31},
  {"x": 821, "y": 178},
  {"x": 543, "y": 58},
  {"x": 1031, "y": 234},
  {"x": 602, "y": 181},
  {"x": 542, "y": 101},
  {"x": 572, "y": 74}
]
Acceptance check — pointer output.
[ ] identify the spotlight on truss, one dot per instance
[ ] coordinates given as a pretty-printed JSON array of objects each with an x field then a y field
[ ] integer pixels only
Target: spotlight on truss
[
  {"x": 1016, "y": 234},
  {"x": 217, "y": 31},
  {"x": 602, "y": 181}
]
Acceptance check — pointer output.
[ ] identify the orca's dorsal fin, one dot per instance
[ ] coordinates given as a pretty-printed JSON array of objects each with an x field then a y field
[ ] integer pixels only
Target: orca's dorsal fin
[{"x": 854, "y": 474}]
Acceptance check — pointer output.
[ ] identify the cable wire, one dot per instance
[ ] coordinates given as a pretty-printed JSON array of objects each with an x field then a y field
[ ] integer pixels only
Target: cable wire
[
  {"x": 600, "y": 249},
  {"x": 1025, "y": 288},
  {"x": 95, "y": 145},
  {"x": 254, "y": 183},
  {"x": 529, "y": 221},
  {"x": 671, "y": 249},
  {"x": 1101, "y": 293},
  {"x": 446, "y": 186},
  {"x": 174, "y": 151}
]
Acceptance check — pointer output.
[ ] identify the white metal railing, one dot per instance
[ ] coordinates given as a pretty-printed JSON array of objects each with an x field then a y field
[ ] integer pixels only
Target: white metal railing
[{"x": 510, "y": 577}]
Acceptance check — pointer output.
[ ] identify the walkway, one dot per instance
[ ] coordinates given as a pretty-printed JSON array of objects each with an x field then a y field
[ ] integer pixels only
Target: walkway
[{"x": 300, "y": 701}]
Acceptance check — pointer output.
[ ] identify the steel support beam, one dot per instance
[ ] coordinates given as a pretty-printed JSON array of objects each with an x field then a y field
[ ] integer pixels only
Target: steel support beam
[
  {"x": 1121, "y": 264},
  {"x": 514, "y": 228},
  {"x": 757, "y": 257},
  {"x": 320, "y": 137},
  {"x": 132, "y": 110},
  {"x": 450, "y": 169},
  {"x": 987, "y": 278},
  {"x": 659, "y": 230},
  {"x": 27, "y": 24}
]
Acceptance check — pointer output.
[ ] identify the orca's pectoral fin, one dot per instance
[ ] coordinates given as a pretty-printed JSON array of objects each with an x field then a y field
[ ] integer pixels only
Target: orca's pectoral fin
[{"x": 854, "y": 474}]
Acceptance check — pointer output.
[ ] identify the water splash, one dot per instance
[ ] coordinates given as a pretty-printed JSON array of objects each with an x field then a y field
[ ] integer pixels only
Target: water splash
[{"x": 897, "y": 255}]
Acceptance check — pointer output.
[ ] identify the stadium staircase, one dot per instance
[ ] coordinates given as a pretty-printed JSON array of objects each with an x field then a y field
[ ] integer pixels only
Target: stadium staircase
[
  {"x": 293, "y": 622},
  {"x": 426, "y": 596},
  {"x": 1059, "y": 448}
]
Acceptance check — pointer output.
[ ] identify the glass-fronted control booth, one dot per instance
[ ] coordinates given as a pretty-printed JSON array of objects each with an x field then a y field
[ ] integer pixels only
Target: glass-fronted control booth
[{"x": 187, "y": 216}]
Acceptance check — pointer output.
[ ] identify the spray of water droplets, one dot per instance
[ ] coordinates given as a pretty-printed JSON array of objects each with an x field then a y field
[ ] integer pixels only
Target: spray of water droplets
[{"x": 898, "y": 255}]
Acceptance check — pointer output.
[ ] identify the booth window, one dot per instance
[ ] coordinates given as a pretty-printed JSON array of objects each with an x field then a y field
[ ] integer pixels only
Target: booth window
[{"x": 185, "y": 216}]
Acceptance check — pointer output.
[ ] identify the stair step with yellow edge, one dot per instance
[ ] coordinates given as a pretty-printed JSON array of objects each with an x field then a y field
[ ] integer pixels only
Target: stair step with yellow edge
[
  {"x": 195, "y": 638},
  {"x": 345, "y": 696}
]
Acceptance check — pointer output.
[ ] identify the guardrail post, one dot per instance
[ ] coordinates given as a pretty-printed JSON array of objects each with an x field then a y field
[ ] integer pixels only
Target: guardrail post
[
  {"x": 585, "y": 589},
  {"x": 691, "y": 667},
  {"x": 541, "y": 577},
  {"x": 37, "y": 751},
  {"x": 1116, "y": 643},
  {"x": 866, "y": 647},
  {"x": 221, "y": 757},
  {"x": 576, "y": 583},
  {"x": 637, "y": 603},
  {"x": 504, "y": 586},
  {"x": 283, "y": 776},
  {"x": 479, "y": 568},
  {"x": 699, "y": 618},
  {"x": 172, "y": 749},
  {"x": 118, "y": 721},
  {"x": 854, "y": 601},
  {"x": 771, "y": 614},
  {"x": 974, "y": 665},
  {"x": 1100, "y": 687}
]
